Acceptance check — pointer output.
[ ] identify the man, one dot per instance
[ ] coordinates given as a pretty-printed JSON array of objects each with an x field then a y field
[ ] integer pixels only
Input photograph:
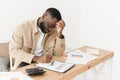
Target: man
[{"x": 38, "y": 40}]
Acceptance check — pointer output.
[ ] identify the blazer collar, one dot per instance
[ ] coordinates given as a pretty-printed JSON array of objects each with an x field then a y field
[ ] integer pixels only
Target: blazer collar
[{"x": 35, "y": 28}]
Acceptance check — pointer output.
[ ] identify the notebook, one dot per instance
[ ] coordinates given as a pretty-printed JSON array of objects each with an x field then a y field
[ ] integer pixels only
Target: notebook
[{"x": 56, "y": 66}]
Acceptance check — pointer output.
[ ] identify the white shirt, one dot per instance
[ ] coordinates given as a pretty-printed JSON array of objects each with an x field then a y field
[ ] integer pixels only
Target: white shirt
[{"x": 38, "y": 51}]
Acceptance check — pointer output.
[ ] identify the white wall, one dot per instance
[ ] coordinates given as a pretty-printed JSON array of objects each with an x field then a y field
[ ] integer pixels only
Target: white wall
[{"x": 88, "y": 22}]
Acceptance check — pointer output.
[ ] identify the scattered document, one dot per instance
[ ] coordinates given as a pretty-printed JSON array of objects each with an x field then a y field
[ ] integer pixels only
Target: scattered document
[
  {"x": 14, "y": 76},
  {"x": 79, "y": 57},
  {"x": 92, "y": 51},
  {"x": 56, "y": 66}
]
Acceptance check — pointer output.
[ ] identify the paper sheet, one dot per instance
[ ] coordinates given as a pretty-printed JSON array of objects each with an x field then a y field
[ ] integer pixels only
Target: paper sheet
[
  {"x": 92, "y": 51},
  {"x": 56, "y": 66},
  {"x": 79, "y": 57}
]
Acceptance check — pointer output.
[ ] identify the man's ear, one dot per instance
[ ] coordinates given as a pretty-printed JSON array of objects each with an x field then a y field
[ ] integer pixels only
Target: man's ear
[{"x": 44, "y": 15}]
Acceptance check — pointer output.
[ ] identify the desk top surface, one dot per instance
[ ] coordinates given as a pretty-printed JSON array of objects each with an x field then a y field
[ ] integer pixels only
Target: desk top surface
[{"x": 78, "y": 69}]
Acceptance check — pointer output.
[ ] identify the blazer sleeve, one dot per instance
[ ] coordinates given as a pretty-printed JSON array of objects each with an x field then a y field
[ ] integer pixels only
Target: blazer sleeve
[
  {"x": 15, "y": 48},
  {"x": 59, "y": 46}
]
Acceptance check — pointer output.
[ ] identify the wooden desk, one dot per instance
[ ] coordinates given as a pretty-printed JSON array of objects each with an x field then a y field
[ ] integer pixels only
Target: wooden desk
[{"x": 78, "y": 69}]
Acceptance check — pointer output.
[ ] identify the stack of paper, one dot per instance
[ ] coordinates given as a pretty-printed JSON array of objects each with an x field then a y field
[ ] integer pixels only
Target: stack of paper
[
  {"x": 79, "y": 57},
  {"x": 14, "y": 76},
  {"x": 93, "y": 51}
]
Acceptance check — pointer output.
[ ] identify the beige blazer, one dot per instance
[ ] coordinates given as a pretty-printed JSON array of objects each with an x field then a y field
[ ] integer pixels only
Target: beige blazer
[{"x": 25, "y": 38}]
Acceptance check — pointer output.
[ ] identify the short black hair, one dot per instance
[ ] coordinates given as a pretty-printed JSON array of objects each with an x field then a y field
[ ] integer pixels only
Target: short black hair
[{"x": 54, "y": 13}]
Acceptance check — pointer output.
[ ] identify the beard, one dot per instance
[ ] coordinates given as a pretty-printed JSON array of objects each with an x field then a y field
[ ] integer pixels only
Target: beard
[{"x": 43, "y": 28}]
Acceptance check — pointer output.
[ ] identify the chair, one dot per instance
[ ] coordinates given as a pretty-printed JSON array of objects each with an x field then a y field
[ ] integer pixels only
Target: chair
[
  {"x": 4, "y": 54},
  {"x": 4, "y": 48}
]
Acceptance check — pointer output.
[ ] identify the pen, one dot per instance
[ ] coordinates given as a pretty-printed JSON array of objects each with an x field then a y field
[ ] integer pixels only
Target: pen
[
  {"x": 79, "y": 56},
  {"x": 52, "y": 63}
]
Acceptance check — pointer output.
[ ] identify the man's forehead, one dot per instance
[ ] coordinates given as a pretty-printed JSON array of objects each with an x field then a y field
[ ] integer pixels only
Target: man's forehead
[{"x": 50, "y": 15}]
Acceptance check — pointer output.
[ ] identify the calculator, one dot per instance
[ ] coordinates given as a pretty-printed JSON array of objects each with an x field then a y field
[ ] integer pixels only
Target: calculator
[{"x": 34, "y": 71}]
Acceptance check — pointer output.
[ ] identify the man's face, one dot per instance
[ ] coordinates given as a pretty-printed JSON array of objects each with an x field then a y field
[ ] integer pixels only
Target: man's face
[{"x": 48, "y": 24}]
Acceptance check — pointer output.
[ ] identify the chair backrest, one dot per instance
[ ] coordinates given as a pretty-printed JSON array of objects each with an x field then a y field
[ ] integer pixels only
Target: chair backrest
[{"x": 4, "y": 50}]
